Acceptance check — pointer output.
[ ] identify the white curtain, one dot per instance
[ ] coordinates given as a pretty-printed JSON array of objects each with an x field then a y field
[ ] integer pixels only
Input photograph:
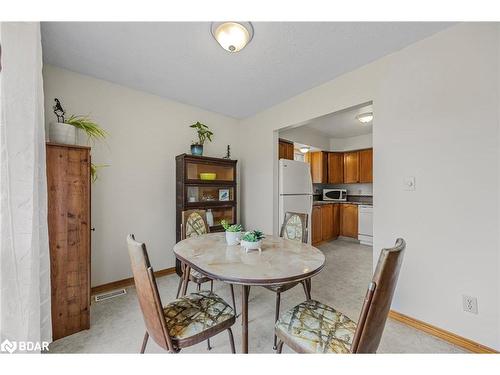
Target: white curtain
[{"x": 24, "y": 250}]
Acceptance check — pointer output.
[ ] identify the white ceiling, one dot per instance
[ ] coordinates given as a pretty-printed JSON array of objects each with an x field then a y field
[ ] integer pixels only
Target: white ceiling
[
  {"x": 182, "y": 61},
  {"x": 343, "y": 124}
]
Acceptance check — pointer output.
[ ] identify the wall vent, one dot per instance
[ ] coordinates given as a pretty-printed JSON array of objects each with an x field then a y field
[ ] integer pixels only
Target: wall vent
[{"x": 113, "y": 294}]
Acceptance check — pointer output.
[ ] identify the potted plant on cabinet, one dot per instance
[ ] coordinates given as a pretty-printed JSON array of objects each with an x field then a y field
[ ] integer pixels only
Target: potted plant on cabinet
[
  {"x": 65, "y": 129},
  {"x": 233, "y": 232},
  {"x": 204, "y": 133},
  {"x": 252, "y": 240}
]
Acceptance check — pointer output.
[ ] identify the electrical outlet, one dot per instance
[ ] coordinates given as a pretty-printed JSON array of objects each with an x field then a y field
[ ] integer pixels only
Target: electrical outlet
[{"x": 469, "y": 304}]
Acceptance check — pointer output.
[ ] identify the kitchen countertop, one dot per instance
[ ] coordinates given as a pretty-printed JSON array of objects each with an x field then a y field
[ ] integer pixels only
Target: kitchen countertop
[{"x": 319, "y": 203}]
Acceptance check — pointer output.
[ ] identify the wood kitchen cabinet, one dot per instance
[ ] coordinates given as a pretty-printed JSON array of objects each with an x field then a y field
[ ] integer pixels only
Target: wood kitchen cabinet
[
  {"x": 285, "y": 149},
  {"x": 351, "y": 167},
  {"x": 349, "y": 220},
  {"x": 366, "y": 165},
  {"x": 325, "y": 223},
  {"x": 319, "y": 167},
  {"x": 316, "y": 225},
  {"x": 335, "y": 167}
]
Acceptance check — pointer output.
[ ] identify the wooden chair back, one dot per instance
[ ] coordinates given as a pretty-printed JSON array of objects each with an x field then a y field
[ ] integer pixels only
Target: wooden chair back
[
  {"x": 194, "y": 223},
  {"x": 378, "y": 300},
  {"x": 147, "y": 293},
  {"x": 295, "y": 226}
]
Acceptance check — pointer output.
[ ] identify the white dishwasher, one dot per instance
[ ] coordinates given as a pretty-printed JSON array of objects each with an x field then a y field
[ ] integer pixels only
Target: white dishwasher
[{"x": 365, "y": 225}]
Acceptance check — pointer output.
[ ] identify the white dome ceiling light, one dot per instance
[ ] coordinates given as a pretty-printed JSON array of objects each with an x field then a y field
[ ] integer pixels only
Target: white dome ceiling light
[
  {"x": 304, "y": 149},
  {"x": 365, "y": 118},
  {"x": 232, "y": 36}
]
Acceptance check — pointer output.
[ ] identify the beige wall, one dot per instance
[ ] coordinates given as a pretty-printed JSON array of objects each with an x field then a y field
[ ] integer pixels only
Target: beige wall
[
  {"x": 436, "y": 108},
  {"x": 136, "y": 193}
]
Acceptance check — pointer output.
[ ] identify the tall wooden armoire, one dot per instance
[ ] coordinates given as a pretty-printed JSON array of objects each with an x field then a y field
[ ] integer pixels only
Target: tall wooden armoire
[{"x": 68, "y": 186}]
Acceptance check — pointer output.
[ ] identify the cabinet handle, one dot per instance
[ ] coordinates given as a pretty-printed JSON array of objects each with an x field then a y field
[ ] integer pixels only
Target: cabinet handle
[{"x": 92, "y": 229}]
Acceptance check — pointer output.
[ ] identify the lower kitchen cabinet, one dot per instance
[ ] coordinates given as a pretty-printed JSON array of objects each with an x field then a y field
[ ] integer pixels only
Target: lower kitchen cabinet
[
  {"x": 325, "y": 223},
  {"x": 316, "y": 225},
  {"x": 349, "y": 220}
]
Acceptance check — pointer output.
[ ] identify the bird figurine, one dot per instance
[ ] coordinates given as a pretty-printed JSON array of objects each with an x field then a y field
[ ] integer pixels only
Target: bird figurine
[
  {"x": 58, "y": 110},
  {"x": 228, "y": 153}
]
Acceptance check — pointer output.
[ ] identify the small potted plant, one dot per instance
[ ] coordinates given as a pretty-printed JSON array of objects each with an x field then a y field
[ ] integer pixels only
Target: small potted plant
[
  {"x": 64, "y": 131},
  {"x": 233, "y": 232},
  {"x": 204, "y": 133},
  {"x": 252, "y": 240}
]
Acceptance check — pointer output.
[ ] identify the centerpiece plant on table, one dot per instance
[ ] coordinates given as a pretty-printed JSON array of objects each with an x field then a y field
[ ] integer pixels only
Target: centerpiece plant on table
[
  {"x": 233, "y": 232},
  {"x": 252, "y": 240}
]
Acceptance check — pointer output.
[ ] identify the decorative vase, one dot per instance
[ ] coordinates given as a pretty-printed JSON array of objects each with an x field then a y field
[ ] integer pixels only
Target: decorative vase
[
  {"x": 210, "y": 218},
  {"x": 197, "y": 150},
  {"x": 62, "y": 133},
  {"x": 251, "y": 245},
  {"x": 233, "y": 238}
]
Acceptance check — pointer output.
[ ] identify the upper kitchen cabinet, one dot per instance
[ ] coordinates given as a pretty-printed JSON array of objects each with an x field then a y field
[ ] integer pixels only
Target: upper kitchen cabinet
[
  {"x": 366, "y": 165},
  {"x": 335, "y": 167},
  {"x": 285, "y": 149},
  {"x": 319, "y": 167},
  {"x": 351, "y": 167}
]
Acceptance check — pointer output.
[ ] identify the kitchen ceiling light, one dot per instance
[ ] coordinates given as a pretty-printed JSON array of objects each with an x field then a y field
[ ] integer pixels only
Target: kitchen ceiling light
[
  {"x": 365, "y": 118},
  {"x": 304, "y": 149},
  {"x": 232, "y": 36}
]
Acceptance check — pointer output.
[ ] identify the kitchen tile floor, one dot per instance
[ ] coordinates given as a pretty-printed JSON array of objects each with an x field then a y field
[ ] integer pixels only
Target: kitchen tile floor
[{"x": 117, "y": 325}]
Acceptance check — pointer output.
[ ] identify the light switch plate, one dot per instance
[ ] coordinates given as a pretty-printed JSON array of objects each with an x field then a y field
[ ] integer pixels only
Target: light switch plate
[{"x": 409, "y": 183}]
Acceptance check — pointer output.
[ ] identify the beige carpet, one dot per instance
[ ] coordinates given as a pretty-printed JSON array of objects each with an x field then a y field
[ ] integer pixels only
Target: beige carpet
[{"x": 117, "y": 325}]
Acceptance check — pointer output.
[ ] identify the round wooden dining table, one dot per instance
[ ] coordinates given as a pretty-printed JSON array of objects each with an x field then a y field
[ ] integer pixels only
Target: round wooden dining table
[{"x": 280, "y": 261}]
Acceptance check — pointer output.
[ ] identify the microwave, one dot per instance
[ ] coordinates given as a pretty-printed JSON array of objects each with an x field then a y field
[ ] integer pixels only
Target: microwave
[{"x": 339, "y": 195}]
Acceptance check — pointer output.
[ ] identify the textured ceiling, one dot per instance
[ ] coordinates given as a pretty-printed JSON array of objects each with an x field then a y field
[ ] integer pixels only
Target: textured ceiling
[
  {"x": 343, "y": 124},
  {"x": 182, "y": 61}
]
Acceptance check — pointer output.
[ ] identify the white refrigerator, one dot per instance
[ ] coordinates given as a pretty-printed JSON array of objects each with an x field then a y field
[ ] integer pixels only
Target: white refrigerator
[{"x": 295, "y": 190}]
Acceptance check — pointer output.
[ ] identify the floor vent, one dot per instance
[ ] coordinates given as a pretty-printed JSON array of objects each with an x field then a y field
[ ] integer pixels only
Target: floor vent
[{"x": 113, "y": 294}]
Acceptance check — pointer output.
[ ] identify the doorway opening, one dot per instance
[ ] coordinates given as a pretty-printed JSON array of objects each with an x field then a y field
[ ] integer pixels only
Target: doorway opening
[{"x": 337, "y": 149}]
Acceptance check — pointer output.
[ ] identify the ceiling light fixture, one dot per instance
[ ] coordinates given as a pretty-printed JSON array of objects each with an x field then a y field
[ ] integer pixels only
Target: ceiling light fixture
[
  {"x": 365, "y": 118},
  {"x": 304, "y": 149},
  {"x": 232, "y": 36}
]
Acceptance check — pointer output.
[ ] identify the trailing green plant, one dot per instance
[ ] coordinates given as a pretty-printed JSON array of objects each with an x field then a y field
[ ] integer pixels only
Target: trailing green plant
[
  {"x": 92, "y": 129},
  {"x": 94, "y": 132},
  {"x": 93, "y": 170},
  {"x": 231, "y": 228},
  {"x": 253, "y": 236},
  {"x": 203, "y": 132}
]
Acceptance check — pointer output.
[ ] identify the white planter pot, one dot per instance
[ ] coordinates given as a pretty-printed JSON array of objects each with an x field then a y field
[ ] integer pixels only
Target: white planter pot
[
  {"x": 233, "y": 238},
  {"x": 62, "y": 133},
  {"x": 251, "y": 245}
]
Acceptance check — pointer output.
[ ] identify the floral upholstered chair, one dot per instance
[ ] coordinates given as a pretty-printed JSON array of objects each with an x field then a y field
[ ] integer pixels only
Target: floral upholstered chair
[
  {"x": 184, "y": 322},
  {"x": 194, "y": 223},
  {"x": 314, "y": 327},
  {"x": 294, "y": 228}
]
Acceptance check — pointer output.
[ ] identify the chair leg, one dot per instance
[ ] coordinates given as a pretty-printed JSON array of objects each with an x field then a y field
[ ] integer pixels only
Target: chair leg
[
  {"x": 198, "y": 287},
  {"x": 231, "y": 340},
  {"x": 179, "y": 288},
  {"x": 280, "y": 347},
  {"x": 208, "y": 345},
  {"x": 307, "y": 291},
  {"x": 276, "y": 316},
  {"x": 232, "y": 296},
  {"x": 211, "y": 285},
  {"x": 144, "y": 342}
]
